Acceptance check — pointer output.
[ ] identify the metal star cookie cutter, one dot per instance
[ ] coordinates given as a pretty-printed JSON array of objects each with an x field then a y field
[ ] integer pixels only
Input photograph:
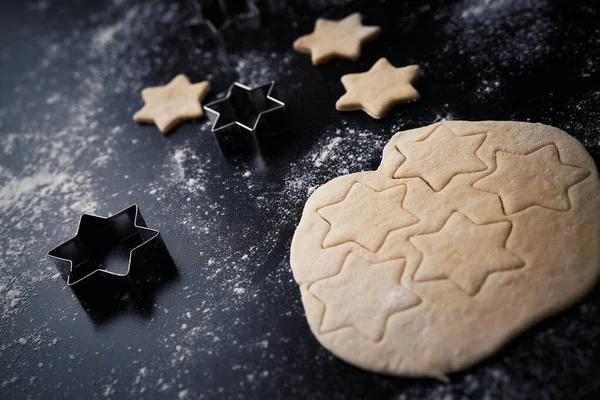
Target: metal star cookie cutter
[
  {"x": 80, "y": 260},
  {"x": 246, "y": 115},
  {"x": 216, "y": 17}
]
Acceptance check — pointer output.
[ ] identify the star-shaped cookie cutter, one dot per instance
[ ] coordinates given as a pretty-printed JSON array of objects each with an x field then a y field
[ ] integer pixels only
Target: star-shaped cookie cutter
[
  {"x": 245, "y": 115},
  {"x": 218, "y": 19},
  {"x": 80, "y": 259}
]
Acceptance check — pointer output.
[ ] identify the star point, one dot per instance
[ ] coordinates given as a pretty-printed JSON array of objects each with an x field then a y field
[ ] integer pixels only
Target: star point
[
  {"x": 243, "y": 106},
  {"x": 429, "y": 158},
  {"x": 363, "y": 295},
  {"x": 538, "y": 178},
  {"x": 336, "y": 39},
  {"x": 167, "y": 106},
  {"x": 379, "y": 89},
  {"x": 465, "y": 253},
  {"x": 366, "y": 216}
]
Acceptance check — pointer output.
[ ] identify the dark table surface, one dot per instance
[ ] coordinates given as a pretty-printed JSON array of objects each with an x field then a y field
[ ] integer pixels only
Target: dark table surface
[{"x": 231, "y": 324}]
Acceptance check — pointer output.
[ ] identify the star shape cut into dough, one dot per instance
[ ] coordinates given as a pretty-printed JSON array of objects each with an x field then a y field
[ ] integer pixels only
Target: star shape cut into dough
[
  {"x": 465, "y": 253},
  {"x": 379, "y": 89},
  {"x": 430, "y": 159},
  {"x": 538, "y": 178},
  {"x": 363, "y": 295},
  {"x": 168, "y": 106},
  {"x": 341, "y": 39},
  {"x": 366, "y": 216}
]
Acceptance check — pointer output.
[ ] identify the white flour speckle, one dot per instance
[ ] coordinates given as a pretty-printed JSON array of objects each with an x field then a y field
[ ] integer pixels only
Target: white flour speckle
[
  {"x": 320, "y": 157},
  {"x": 108, "y": 389},
  {"x": 478, "y": 25},
  {"x": 183, "y": 394},
  {"x": 396, "y": 298},
  {"x": 239, "y": 290}
]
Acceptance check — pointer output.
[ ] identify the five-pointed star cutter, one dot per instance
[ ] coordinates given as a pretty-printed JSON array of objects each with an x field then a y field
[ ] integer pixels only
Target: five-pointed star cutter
[
  {"x": 81, "y": 260},
  {"x": 245, "y": 116}
]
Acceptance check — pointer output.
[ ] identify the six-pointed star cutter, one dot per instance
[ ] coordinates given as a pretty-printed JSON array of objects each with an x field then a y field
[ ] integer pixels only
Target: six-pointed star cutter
[
  {"x": 245, "y": 115},
  {"x": 222, "y": 14},
  {"x": 80, "y": 260},
  {"x": 216, "y": 21}
]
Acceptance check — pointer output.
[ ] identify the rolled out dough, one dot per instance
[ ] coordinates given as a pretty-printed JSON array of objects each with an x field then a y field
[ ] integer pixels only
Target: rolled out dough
[{"x": 466, "y": 234}]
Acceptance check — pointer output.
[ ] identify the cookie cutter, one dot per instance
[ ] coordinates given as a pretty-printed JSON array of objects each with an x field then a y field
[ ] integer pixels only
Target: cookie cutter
[
  {"x": 216, "y": 17},
  {"x": 246, "y": 116},
  {"x": 80, "y": 260},
  {"x": 204, "y": 33}
]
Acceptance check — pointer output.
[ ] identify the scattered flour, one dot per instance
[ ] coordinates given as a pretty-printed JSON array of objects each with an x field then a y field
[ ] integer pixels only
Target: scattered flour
[
  {"x": 183, "y": 394},
  {"x": 480, "y": 25},
  {"x": 239, "y": 290},
  {"x": 258, "y": 67},
  {"x": 480, "y": 7},
  {"x": 319, "y": 158},
  {"x": 342, "y": 151},
  {"x": 50, "y": 191}
]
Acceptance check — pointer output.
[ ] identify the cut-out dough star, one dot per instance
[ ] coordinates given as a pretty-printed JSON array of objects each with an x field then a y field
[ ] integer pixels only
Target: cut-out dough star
[
  {"x": 430, "y": 158},
  {"x": 341, "y": 39},
  {"x": 379, "y": 89},
  {"x": 168, "y": 106},
  {"x": 465, "y": 253},
  {"x": 538, "y": 178},
  {"x": 363, "y": 295},
  {"x": 366, "y": 216}
]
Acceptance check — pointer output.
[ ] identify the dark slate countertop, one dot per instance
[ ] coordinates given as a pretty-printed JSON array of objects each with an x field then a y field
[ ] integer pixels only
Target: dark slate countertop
[{"x": 231, "y": 324}]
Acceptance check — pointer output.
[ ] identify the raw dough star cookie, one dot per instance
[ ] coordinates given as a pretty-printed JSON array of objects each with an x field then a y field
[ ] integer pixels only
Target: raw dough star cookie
[
  {"x": 467, "y": 234},
  {"x": 362, "y": 208},
  {"x": 520, "y": 187},
  {"x": 341, "y": 39},
  {"x": 379, "y": 89},
  {"x": 168, "y": 106},
  {"x": 467, "y": 262},
  {"x": 370, "y": 315}
]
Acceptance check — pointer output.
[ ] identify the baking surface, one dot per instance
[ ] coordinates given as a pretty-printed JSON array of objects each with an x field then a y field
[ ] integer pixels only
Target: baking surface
[{"x": 231, "y": 324}]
